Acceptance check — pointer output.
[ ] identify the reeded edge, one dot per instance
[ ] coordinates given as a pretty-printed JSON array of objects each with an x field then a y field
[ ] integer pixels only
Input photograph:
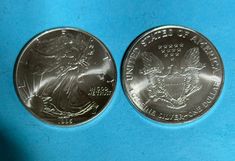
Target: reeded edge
[
  {"x": 29, "y": 42},
  {"x": 162, "y": 122}
]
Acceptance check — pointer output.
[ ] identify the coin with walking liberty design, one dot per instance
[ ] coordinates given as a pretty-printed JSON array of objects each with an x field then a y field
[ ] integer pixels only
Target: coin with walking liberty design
[
  {"x": 65, "y": 76},
  {"x": 172, "y": 74}
]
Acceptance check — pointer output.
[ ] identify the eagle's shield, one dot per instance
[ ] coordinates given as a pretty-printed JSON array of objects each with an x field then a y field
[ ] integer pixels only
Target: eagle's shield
[{"x": 174, "y": 85}]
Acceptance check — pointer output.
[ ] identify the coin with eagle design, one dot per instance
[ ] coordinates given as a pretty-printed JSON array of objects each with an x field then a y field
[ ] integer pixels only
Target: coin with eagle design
[
  {"x": 65, "y": 76},
  {"x": 172, "y": 74}
]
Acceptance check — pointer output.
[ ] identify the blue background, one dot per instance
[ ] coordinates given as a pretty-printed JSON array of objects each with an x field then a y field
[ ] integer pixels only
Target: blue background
[{"x": 120, "y": 133}]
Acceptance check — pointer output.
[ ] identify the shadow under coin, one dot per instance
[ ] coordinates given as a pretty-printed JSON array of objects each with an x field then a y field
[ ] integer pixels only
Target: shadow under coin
[{"x": 9, "y": 151}]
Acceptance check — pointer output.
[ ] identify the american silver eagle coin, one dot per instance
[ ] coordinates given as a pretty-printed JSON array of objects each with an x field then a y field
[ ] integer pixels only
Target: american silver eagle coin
[
  {"x": 172, "y": 74},
  {"x": 65, "y": 76}
]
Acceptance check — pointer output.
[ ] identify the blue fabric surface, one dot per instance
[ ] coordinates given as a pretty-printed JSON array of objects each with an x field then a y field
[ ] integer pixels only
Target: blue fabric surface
[{"x": 119, "y": 133}]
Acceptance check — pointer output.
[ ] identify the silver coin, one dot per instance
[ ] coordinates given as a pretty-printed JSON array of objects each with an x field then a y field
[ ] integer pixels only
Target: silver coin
[
  {"x": 65, "y": 76},
  {"x": 172, "y": 74}
]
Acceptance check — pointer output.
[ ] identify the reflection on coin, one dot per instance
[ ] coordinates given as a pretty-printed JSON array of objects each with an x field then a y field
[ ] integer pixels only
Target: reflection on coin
[
  {"x": 65, "y": 76},
  {"x": 172, "y": 74}
]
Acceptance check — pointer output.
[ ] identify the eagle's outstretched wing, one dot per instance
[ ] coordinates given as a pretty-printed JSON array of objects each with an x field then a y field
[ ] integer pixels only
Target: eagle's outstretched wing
[
  {"x": 191, "y": 66},
  {"x": 151, "y": 64},
  {"x": 153, "y": 70},
  {"x": 191, "y": 58}
]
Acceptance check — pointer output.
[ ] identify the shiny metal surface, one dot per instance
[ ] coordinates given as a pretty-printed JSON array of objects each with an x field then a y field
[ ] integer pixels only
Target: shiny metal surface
[
  {"x": 172, "y": 74},
  {"x": 65, "y": 76}
]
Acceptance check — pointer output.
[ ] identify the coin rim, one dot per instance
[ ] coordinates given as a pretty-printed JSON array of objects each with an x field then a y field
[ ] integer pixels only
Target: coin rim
[
  {"x": 136, "y": 107},
  {"x": 40, "y": 34}
]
